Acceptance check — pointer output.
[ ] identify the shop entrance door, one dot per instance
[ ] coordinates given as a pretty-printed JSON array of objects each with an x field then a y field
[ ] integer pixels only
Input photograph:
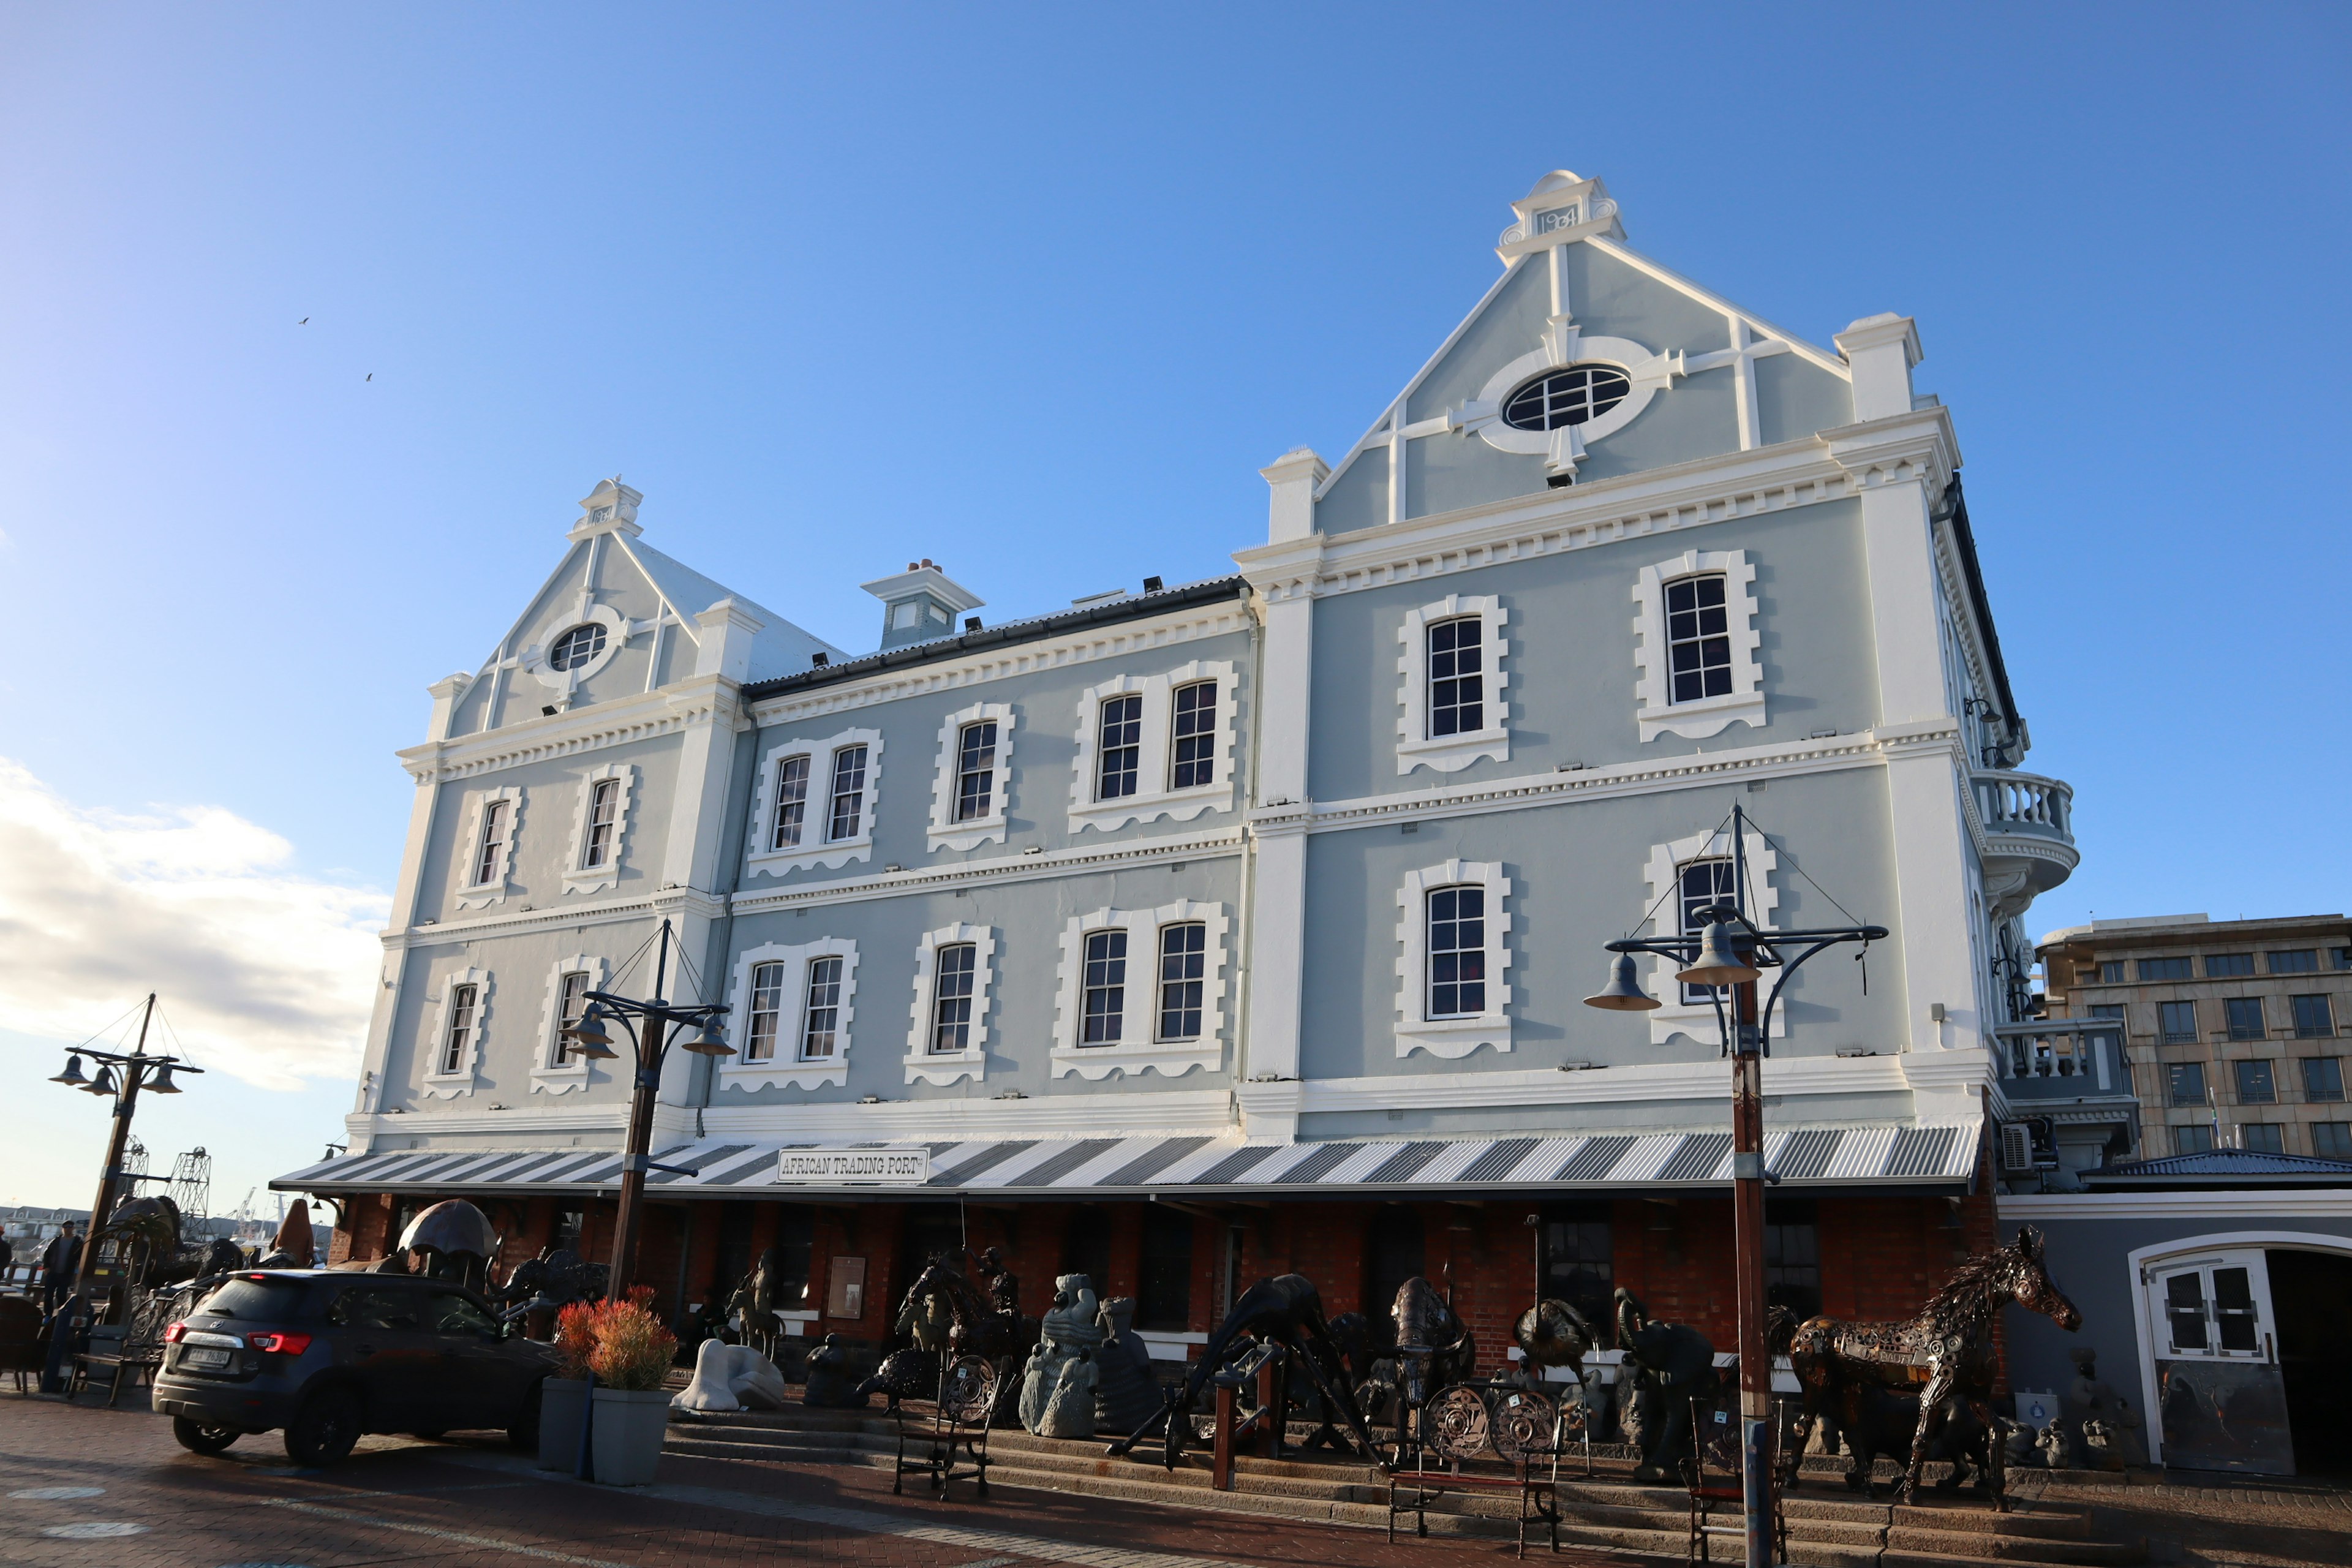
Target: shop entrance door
[
  {"x": 2313, "y": 1293},
  {"x": 2219, "y": 1391}
]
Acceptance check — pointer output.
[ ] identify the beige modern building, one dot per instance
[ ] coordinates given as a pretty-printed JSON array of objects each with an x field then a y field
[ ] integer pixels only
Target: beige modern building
[{"x": 2233, "y": 1032}]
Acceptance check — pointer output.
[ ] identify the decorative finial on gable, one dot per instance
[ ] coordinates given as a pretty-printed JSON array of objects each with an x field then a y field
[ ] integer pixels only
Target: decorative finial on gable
[
  {"x": 610, "y": 507},
  {"x": 1562, "y": 206}
]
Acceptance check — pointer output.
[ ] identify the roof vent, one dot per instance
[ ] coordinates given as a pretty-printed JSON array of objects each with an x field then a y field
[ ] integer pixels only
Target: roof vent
[
  {"x": 920, "y": 603},
  {"x": 1153, "y": 585}
]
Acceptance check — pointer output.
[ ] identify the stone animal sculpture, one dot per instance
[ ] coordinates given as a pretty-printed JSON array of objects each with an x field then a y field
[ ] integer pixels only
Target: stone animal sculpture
[
  {"x": 1285, "y": 1308},
  {"x": 1673, "y": 1363},
  {"x": 828, "y": 1386},
  {"x": 1067, "y": 1329},
  {"x": 1069, "y": 1410},
  {"x": 1434, "y": 1349},
  {"x": 1948, "y": 1348},
  {"x": 1125, "y": 1393},
  {"x": 731, "y": 1377}
]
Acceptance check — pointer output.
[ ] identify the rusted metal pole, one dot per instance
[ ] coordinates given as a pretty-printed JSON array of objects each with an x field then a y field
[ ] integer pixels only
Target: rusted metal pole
[
  {"x": 126, "y": 1101},
  {"x": 641, "y": 1134},
  {"x": 1748, "y": 1245}
]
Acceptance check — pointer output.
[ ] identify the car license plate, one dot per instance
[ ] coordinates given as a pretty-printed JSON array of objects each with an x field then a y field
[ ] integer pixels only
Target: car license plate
[{"x": 203, "y": 1356}]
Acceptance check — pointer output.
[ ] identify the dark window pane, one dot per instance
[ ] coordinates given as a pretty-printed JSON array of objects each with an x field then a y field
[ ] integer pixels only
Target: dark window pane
[
  {"x": 2323, "y": 1078},
  {"x": 2245, "y": 1017},
  {"x": 2192, "y": 1140},
  {"x": 1120, "y": 747},
  {"x": 2164, "y": 969},
  {"x": 2303, "y": 961},
  {"x": 2332, "y": 1139},
  {"x": 2313, "y": 1017},
  {"x": 2228, "y": 965},
  {"x": 2187, "y": 1082},
  {"x": 2255, "y": 1084},
  {"x": 2184, "y": 1309},
  {"x": 2178, "y": 1021},
  {"x": 1163, "y": 1297},
  {"x": 2264, "y": 1137}
]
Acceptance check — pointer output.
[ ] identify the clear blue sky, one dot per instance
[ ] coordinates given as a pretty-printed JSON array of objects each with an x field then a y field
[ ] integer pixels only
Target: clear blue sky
[{"x": 1035, "y": 290}]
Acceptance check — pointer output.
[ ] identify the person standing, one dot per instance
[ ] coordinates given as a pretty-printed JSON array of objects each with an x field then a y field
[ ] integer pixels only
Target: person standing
[{"x": 60, "y": 1262}]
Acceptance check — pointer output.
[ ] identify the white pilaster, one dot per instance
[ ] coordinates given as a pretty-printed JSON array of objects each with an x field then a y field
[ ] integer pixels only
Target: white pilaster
[
  {"x": 1290, "y": 507},
  {"x": 1882, "y": 350}
]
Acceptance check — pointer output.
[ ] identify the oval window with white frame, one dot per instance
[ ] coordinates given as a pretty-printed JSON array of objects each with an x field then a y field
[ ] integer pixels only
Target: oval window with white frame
[
  {"x": 1575, "y": 395},
  {"x": 576, "y": 647}
]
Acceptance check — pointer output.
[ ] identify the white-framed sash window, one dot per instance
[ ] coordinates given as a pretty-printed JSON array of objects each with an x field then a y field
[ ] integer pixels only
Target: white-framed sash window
[
  {"x": 559, "y": 1068},
  {"x": 486, "y": 865},
  {"x": 600, "y": 834},
  {"x": 1453, "y": 957},
  {"x": 1153, "y": 746},
  {"x": 946, "y": 1033},
  {"x": 1451, "y": 684},
  {"x": 815, "y": 802},
  {"x": 453, "y": 1027},
  {"x": 789, "y": 1015},
  {"x": 1696, "y": 668},
  {"x": 971, "y": 788},
  {"x": 1129, "y": 977}
]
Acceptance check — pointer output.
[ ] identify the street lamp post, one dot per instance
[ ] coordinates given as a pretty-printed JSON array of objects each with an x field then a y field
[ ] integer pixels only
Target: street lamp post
[
  {"x": 122, "y": 1077},
  {"x": 1729, "y": 955},
  {"x": 590, "y": 1038}
]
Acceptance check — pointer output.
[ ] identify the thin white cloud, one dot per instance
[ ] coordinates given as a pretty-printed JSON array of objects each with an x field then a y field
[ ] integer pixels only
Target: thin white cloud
[{"x": 266, "y": 973}]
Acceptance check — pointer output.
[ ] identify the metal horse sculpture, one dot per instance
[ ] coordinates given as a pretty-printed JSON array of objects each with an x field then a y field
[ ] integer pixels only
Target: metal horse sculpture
[
  {"x": 1285, "y": 1309},
  {"x": 975, "y": 1326},
  {"x": 1945, "y": 1351}
]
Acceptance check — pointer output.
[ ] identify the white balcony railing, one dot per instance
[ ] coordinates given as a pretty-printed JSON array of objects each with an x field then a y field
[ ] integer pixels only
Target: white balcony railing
[
  {"x": 2085, "y": 1049},
  {"x": 2025, "y": 803}
]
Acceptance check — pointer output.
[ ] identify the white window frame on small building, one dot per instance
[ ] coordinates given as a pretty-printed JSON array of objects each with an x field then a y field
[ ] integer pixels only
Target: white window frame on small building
[
  {"x": 924, "y": 1064},
  {"x": 1155, "y": 796},
  {"x": 1656, "y": 711},
  {"x": 1452, "y": 1038},
  {"x": 579, "y": 876},
  {"x": 1416, "y": 747},
  {"x": 547, "y": 1075},
  {"x": 1664, "y": 874},
  {"x": 815, "y": 849},
  {"x": 786, "y": 1069},
  {"x": 482, "y": 894},
  {"x": 449, "y": 1083},
  {"x": 1139, "y": 1050},
  {"x": 946, "y": 831}
]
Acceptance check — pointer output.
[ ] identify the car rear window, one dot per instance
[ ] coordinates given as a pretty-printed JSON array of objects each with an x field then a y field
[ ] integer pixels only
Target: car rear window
[{"x": 260, "y": 1300}]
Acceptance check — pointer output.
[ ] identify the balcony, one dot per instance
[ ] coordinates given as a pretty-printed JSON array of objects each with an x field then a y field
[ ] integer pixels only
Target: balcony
[
  {"x": 2071, "y": 1068},
  {"x": 2029, "y": 835}
]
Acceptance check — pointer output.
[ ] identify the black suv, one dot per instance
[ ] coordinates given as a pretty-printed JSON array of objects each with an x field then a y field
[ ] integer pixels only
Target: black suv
[{"x": 329, "y": 1356}]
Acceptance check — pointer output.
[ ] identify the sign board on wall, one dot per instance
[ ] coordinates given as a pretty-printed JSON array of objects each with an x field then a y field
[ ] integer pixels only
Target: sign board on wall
[
  {"x": 887, "y": 1166},
  {"x": 844, "y": 1290}
]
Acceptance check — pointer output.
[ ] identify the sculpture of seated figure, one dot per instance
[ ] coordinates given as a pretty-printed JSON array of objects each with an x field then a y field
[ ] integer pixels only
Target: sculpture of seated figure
[
  {"x": 1065, "y": 1330},
  {"x": 1125, "y": 1393},
  {"x": 731, "y": 1377},
  {"x": 1070, "y": 1410},
  {"x": 828, "y": 1385}
]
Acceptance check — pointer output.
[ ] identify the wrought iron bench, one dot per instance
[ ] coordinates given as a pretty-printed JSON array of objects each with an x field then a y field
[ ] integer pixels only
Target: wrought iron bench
[
  {"x": 952, "y": 1436},
  {"x": 1524, "y": 1429}
]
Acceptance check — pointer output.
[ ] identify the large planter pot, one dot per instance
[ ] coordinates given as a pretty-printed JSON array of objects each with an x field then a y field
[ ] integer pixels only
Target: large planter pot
[
  {"x": 562, "y": 1405},
  {"x": 627, "y": 1433}
]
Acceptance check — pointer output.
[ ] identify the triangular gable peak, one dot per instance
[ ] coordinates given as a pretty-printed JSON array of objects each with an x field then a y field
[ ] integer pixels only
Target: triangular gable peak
[
  {"x": 617, "y": 619},
  {"x": 1585, "y": 361}
]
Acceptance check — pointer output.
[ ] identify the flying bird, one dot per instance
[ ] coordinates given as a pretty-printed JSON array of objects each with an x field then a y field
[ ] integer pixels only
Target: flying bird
[
  {"x": 371, "y": 375},
  {"x": 303, "y": 323}
]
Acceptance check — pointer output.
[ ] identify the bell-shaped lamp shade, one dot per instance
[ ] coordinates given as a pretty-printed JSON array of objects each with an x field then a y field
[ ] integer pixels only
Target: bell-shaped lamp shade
[
  {"x": 72, "y": 1075},
  {"x": 708, "y": 1042},
  {"x": 1718, "y": 962},
  {"x": 589, "y": 1036},
  {"x": 103, "y": 1083},
  {"x": 163, "y": 1083},
  {"x": 1623, "y": 994}
]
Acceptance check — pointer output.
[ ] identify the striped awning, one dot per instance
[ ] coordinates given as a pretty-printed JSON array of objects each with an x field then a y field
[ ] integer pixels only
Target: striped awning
[{"x": 1807, "y": 1157}]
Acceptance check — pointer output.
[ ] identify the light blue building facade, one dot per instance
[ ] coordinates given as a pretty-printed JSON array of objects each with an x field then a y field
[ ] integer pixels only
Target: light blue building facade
[{"x": 1288, "y": 883}]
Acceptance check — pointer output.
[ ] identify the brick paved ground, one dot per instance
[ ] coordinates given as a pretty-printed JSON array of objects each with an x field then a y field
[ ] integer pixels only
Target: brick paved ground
[
  {"x": 2223, "y": 1521},
  {"x": 145, "y": 1502}
]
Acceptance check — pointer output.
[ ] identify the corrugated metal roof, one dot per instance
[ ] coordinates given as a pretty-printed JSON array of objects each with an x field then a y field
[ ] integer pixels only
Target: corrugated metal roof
[{"x": 1811, "y": 1156}]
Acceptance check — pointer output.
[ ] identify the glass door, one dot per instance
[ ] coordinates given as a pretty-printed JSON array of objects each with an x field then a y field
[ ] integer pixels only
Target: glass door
[{"x": 2221, "y": 1397}]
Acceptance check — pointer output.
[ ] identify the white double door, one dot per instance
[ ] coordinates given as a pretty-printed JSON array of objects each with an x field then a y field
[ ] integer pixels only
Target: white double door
[{"x": 2220, "y": 1397}]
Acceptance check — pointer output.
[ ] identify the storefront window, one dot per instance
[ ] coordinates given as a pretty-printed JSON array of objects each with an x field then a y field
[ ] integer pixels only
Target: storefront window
[
  {"x": 1792, "y": 1257},
  {"x": 1163, "y": 1298},
  {"x": 1579, "y": 1267}
]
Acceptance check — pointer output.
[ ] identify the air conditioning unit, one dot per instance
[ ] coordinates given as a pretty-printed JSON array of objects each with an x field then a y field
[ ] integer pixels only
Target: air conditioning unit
[{"x": 2016, "y": 1147}]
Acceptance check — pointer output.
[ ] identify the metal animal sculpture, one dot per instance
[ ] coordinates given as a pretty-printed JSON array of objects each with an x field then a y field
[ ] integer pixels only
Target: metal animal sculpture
[
  {"x": 753, "y": 1303},
  {"x": 1285, "y": 1309},
  {"x": 1434, "y": 1349},
  {"x": 975, "y": 1328},
  {"x": 1673, "y": 1364},
  {"x": 1946, "y": 1349},
  {"x": 1875, "y": 1420},
  {"x": 1553, "y": 1333}
]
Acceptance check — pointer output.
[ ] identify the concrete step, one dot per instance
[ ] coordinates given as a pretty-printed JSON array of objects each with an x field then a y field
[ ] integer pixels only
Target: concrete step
[
  {"x": 2013, "y": 1548},
  {"x": 2046, "y": 1521}
]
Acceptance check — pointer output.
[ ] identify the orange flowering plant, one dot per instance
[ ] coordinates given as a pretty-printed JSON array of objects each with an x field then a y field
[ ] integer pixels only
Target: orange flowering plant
[
  {"x": 575, "y": 1339},
  {"x": 632, "y": 1351}
]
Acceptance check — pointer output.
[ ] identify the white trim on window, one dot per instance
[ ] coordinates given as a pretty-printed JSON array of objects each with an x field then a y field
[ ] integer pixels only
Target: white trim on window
[
  {"x": 481, "y": 893},
  {"x": 1154, "y": 798},
  {"x": 1664, "y": 874},
  {"x": 1138, "y": 1051},
  {"x": 579, "y": 876},
  {"x": 946, "y": 832},
  {"x": 546, "y": 1077},
  {"x": 434, "y": 1036},
  {"x": 924, "y": 1064},
  {"x": 1459, "y": 1036},
  {"x": 815, "y": 849},
  {"x": 1696, "y": 720},
  {"x": 786, "y": 1069},
  {"x": 617, "y": 632},
  {"x": 1450, "y": 753}
]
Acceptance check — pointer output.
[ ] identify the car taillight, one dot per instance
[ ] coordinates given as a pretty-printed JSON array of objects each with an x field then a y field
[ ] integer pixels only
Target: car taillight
[
  {"x": 171, "y": 1335},
  {"x": 283, "y": 1344}
]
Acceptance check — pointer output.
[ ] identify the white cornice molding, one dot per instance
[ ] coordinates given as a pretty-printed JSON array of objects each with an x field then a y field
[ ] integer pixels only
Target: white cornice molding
[
  {"x": 996, "y": 871},
  {"x": 1158, "y": 1114},
  {"x": 1783, "y": 1075},
  {"x": 1918, "y": 446},
  {"x": 1698, "y": 769},
  {"x": 1120, "y": 640},
  {"x": 648, "y": 715},
  {"x": 1679, "y": 496},
  {"x": 678, "y": 901}
]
